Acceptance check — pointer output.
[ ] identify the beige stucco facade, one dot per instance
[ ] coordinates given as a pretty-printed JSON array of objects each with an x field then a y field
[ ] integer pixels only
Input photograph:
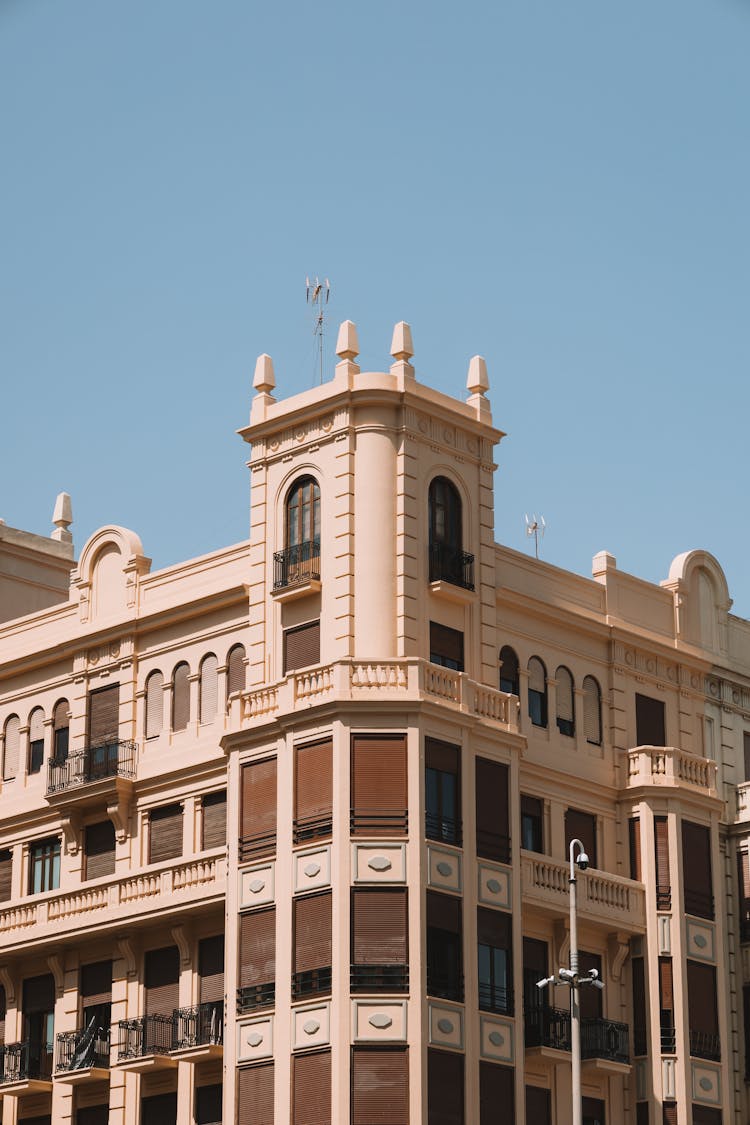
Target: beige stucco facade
[{"x": 409, "y": 622}]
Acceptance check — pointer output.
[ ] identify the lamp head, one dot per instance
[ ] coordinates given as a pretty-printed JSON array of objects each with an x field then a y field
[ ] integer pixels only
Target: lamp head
[{"x": 582, "y": 861}]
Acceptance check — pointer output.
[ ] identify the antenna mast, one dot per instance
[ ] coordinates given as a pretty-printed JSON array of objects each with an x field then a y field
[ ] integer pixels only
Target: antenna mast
[
  {"x": 318, "y": 293},
  {"x": 537, "y": 528}
]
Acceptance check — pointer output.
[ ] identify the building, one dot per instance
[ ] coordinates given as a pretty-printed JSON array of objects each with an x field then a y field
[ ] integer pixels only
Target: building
[{"x": 284, "y": 829}]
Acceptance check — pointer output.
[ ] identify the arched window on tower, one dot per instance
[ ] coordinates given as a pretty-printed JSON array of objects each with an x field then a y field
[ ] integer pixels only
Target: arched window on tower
[
  {"x": 537, "y": 692},
  {"x": 154, "y": 704},
  {"x": 300, "y": 560},
  {"x": 565, "y": 703},
  {"x": 181, "y": 697},
  {"x": 448, "y": 560},
  {"x": 592, "y": 711},
  {"x": 209, "y": 686},
  {"x": 235, "y": 670},
  {"x": 11, "y": 749},
  {"x": 509, "y": 671}
]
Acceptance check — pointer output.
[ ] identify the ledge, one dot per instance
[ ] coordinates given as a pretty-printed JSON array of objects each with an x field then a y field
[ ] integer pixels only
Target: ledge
[
  {"x": 452, "y": 593},
  {"x": 296, "y": 591}
]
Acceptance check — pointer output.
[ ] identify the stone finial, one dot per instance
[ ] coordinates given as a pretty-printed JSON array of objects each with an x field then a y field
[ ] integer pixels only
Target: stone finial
[
  {"x": 477, "y": 382},
  {"x": 401, "y": 344},
  {"x": 347, "y": 344},
  {"x": 62, "y": 518},
  {"x": 264, "y": 379}
]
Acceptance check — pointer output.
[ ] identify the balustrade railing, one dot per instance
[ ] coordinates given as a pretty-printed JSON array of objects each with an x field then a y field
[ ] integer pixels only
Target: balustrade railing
[
  {"x": 111, "y": 759},
  {"x": 296, "y": 564},
  {"x": 199, "y": 1025}
]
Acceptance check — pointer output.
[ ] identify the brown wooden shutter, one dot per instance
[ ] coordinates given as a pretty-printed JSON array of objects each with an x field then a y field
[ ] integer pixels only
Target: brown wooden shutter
[
  {"x": 99, "y": 848},
  {"x": 154, "y": 704},
  {"x": 380, "y": 1086},
  {"x": 669, "y": 1113},
  {"x": 181, "y": 697},
  {"x": 634, "y": 837},
  {"x": 445, "y": 1088},
  {"x": 104, "y": 715},
  {"x": 565, "y": 695},
  {"x": 313, "y": 790},
  {"x": 443, "y": 912},
  {"x": 236, "y": 670},
  {"x": 497, "y": 1094},
  {"x": 96, "y": 983},
  {"x": 6, "y": 874},
  {"x": 493, "y": 828},
  {"x": 379, "y": 801},
  {"x": 707, "y": 1115},
  {"x": 442, "y": 756},
  {"x": 61, "y": 715},
  {"x": 162, "y": 980},
  {"x": 39, "y": 994},
  {"x": 639, "y": 1006},
  {"x": 666, "y": 990},
  {"x": 12, "y": 745},
  {"x": 446, "y": 645},
  {"x": 165, "y": 833},
  {"x": 4, "y": 1008},
  {"x": 581, "y": 826},
  {"x": 208, "y": 1101},
  {"x": 257, "y": 947},
  {"x": 311, "y": 1089},
  {"x": 209, "y": 688},
  {"x": 592, "y": 711},
  {"x": 380, "y": 934},
  {"x": 538, "y": 1106},
  {"x": 258, "y": 829},
  {"x": 159, "y": 1109},
  {"x": 214, "y": 808},
  {"x": 211, "y": 969},
  {"x": 255, "y": 1095},
  {"x": 36, "y": 725},
  {"x": 301, "y": 646},
  {"x": 493, "y": 928},
  {"x": 702, "y": 1007},
  {"x": 649, "y": 721},
  {"x": 696, "y": 869},
  {"x": 93, "y": 1115},
  {"x": 661, "y": 849},
  {"x": 641, "y": 1113},
  {"x": 312, "y": 932}
]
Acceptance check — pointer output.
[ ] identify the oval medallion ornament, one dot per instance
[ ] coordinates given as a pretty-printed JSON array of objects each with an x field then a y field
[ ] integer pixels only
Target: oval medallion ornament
[
  {"x": 496, "y": 1039},
  {"x": 312, "y": 870},
  {"x": 493, "y": 886},
  {"x": 706, "y": 1084},
  {"x": 257, "y": 886},
  {"x": 380, "y": 1020},
  {"x": 700, "y": 941},
  {"x": 445, "y": 1026},
  {"x": 310, "y": 1027},
  {"x": 445, "y": 869},
  {"x": 379, "y": 863},
  {"x": 254, "y": 1039}
]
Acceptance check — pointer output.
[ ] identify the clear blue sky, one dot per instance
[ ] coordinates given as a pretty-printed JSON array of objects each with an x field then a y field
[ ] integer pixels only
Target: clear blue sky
[{"x": 561, "y": 187}]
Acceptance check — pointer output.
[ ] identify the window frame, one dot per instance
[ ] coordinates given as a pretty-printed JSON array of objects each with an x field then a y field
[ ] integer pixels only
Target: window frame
[
  {"x": 296, "y": 512},
  {"x": 44, "y": 858}
]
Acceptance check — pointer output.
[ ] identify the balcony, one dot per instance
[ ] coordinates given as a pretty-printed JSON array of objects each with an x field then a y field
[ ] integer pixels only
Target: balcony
[
  {"x": 199, "y": 1031},
  {"x": 451, "y": 566},
  {"x": 26, "y": 1068},
  {"x": 379, "y": 978},
  {"x": 609, "y": 900},
  {"x": 146, "y": 1043},
  {"x": 256, "y": 996},
  {"x": 705, "y": 1045},
  {"x": 94, "y": 773},
  {"x": 296, "y": 570},
  {"x": 605, "y": 1041},
  {"x": 670, "y": 767},
  {"x": 546, "y": 1029},
  {"x": 602, "y": 1041},
  {"x": 83, "y": 1055},
  {"x": 311, "y": 982}
]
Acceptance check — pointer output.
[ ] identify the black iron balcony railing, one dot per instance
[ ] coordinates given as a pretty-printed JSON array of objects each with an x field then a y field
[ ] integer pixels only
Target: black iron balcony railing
[
  {"x": 640, "y": 1042},
  {"x": 449, "y": 565},
  {"x": 604, "y": 1039},
  {"x": 546, "y": 1027},
  {"x": 495, "y": 998},
  {"x": 379, "y": 978},
  {"x": 297, "y": 564},
  {"x": 447, "y": 986},
  {"x": 705, "y": 1045},
  {"x": 699, "y": 903},
  {"x": 255, "y": 996},
  {"x": 745, "y": 921},
  {"x": 200, "y": 1025},
  {"x": 493, "y": 845},
  {"x": 20, "y": 1062},
  {"x": 311, "y": 982},
  {"x": 312, "y": 828},
  {"x": 112, "y": 759},
  {"x": 87, "y": 1047},
  {"x": 667, "y": 1038},
  {"x": 663, "y": 896},
  {"x": 443, "y": 828},
  {"x": 251, "y": 847},
  {"x": 379, "y": 822},
  {"x": 146, "y": 1035}
]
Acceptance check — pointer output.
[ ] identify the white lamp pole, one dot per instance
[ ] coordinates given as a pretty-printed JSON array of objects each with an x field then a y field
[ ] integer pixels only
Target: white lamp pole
[{"x": 575, "y": 1013}]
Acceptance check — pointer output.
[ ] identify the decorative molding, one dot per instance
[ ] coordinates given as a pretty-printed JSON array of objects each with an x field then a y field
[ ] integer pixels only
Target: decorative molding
[
  {"x": 55, "y": 964},
  {"x": 183, "y": 944},
  {"x": 128, "y": 955},
  {"x": 8, "y": 983},
  {"x": 71, "y": 828},
  {"x": 617, "y": 949}
]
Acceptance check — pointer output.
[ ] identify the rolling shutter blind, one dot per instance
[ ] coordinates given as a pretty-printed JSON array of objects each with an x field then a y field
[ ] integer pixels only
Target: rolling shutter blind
[
  {"x": 743, "y": 880},
  {"x": 181, "y": 697},
  {"x": 61, "y": 716},
  {"x": 214, "y": 807},
  {"x": 634, "y": 837},
  {"x": 380, "y": 927},
  {"x": 99, "y": 847},
  {"x": 669, "y": 1114},
  {"x": 165, "y": 833},
  {"x": 96, "y": 983},
  {"x": 706, "y": 1115},
  {"x": 380, "y": 1086},
  {"x": 12, "y": 743},
  {"x": 442, "y": 756},
  {"x": 639, "y": 1006},
  {"x": 208, "y": 1104},
  {"x": 312, "y": 932},
  {"x": 236, "y": 670},
  {"x": 661, "y": 846},
  {"x": 538, "y": 1110},
  {"x": 497, "y": 1094},
  {"x": 313, "y": 782},
  {"x": 257, "y": 948},
  {"x": 649, "y": 721},
  {"x": 379, "y": 798},
  {"x": 493, "y": 829},
  {"x": 535, "y": 957},
  {"x": 592, "y": 711},
  {"x": 258, "y": 807},
  {"x": 160, "y": 1109},
  {"x": 92, "y": 1115},
  {"x": 36, "y": 725},
  {"x": 641, "y": 1113},
  {"x": 39, "y": 994},
  {"x": 445, "y": 1088},
  {"x": 508, "y": 670},
  {"x": 104, "y": 715},
  {"x": 702, "y": 1009},
  {"x": 154, "y": 705},
  {"x": 161, "y": 979},
  {"x": 3, "y": 1009},
  {"x": 565, "y": 695},
  {"x": 311, "y": 1084},
  {"x": 447, "y": 645},
  {"x": 696, "y": 869},
  {"x": 593, "y": 1111},
  {"x": 582, "y": 826},
  {"x": 61, "y": 730},
  {"x": 6, "y": 874},
  {"x": 255, "y": 1095},
  {"x": 301, "y": 646},
  {"x": 211, "y": 969},
  {"x": 209, "y": 685},
  {"x": 666, "y": 992},
  {"x": 443, "y": 912},
  {"x": 493, "y": 928},
  {"x": 537, "y": 676}
]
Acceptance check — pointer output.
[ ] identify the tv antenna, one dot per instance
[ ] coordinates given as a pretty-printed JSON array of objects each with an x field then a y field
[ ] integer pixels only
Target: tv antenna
[
  {"x": 318, "y": 293},
  {"x": 537, "y": 528}
]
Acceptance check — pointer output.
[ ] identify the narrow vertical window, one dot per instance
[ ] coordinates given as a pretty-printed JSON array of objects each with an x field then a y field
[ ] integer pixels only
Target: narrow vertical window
[
  {"x": 180, "y": 697},
  {"x": 666, "y": 1006},
  {"x": 493, "y": 825},
  {"x": 447, "y": 560},
  {"x": 650, "y": 727},
  {"x": 61, "y": 732},
  {"x": 446, "y": 647},
  {"x": 379, "y": 788},
  {"x": 165, "y": 833},
  {"x": 640, "y": 1046},
  {"x": 257, "y": 968},
  {"x": 509, "y": 677},
  {"x": 661, "y": 849},
  {"x": 537, "y": 692},
  {"x": 634, "y": 841},
  {"x": 214, "y": 817},
  {"x": 99, "y": 850},
  {"x": 444, "y": 947},
  {"x": 299, "y": 562},
  {"x": 745, "y": 754},
  {"x": 12, "y": 742},
  {"x": 565, "y": 702},
  {"x": 235, "y": 670},
  {"x": 255, "y": 1098},
  {"x": 258, "y": 809},
  {"x": 703, "y": 1016},
  {"x": 311, "y": 1089},
  {"x": 44, "y": 865},
  {"x": 313, "y": 791},
  {"x": 6, "y": 874},
  {"x": 592, "y": 711},
  {"x": 209, "y": 686},
  {"x": 445, "y": 1087},
  {"x": 36, "y": 740},
  {"x": 532, "y": 824},
  {"x": 312, "y": 945},
  {"x": 380, "y": 1085},
  {"x": 495, "y": 961},
  {"x": 696, "y": 870},
  {"x": 380, "y": 940},
  {"x": 497, "y": 1095},
  {"x": 581, "y": 826},
  {"x": 154, "y": 704},
  {"x": 743, "y": 882},
  {"x": 442, "y": 792}
]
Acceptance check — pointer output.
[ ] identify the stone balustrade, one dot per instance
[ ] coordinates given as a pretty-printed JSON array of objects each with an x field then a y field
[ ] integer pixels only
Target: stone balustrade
[
  {"x": 611, "y": 900},
  {"x": 670, "y": 766}
]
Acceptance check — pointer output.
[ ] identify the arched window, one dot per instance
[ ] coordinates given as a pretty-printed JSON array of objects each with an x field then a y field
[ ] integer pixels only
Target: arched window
[
  {"x": 154, "y": 704},
  {"x": 448, "y": 561},
  {"x": 566, "y": 722},
  {"x": 537, "y": 692},
  {"x": 508, "y": 670},
  {"x": 61, "y": 731},
  {"x": 303, "y": 513},
  {"x": 12, "y": 743},
  {"x": 36, "y": 740},
  {"x": 209, "y": 688},
  {"x": 592, "y": 711},
  {"x": 236, "y": 670},
  {"x": 181, "y": 697}
]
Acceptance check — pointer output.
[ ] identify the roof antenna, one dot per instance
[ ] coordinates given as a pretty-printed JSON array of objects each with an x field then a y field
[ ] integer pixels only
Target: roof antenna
[
  {"x": 318, "y": 293},
  {"x": 537, "y": 528}
]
